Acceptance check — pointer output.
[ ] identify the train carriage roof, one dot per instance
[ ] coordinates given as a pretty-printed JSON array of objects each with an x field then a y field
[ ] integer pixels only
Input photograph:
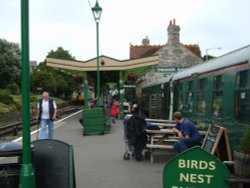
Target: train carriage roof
[
  {"x": 158, "y": 82},
  {"x": 236, "y": 57}
]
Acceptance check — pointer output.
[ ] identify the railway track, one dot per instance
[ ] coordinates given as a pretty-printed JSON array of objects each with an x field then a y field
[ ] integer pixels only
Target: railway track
[{"x": 13, "y": 129}]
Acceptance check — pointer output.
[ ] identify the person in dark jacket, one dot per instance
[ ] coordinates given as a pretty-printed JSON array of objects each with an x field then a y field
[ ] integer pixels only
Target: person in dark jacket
[
  {"x": 136, "y": 136},
  {"x": 46, "y": 111},
  {"x": 188, "y": 133}
]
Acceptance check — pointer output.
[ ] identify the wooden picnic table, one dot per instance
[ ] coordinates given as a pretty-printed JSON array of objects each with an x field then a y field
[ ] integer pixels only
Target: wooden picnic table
[
  {"x": 160, "y": 121},
  {"x": 163, "y": 125},
  {"x": 162, "y": 139}
]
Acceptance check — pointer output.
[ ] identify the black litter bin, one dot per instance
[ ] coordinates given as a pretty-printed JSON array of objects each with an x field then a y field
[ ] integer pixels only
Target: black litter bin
[{"x": 9, "y": 173}]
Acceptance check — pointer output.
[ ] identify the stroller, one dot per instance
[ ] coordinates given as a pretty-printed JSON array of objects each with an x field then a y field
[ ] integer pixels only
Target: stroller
[{"x": 134, "y": 136}]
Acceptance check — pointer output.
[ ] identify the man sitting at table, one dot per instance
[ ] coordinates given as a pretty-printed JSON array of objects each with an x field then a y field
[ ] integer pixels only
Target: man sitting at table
[{"x": 187, "y": 131}]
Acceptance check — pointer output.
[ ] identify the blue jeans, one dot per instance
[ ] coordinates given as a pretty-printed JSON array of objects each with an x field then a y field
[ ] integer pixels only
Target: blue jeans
[
  {"x": 43, "y": 127},
  {"x": 113, "y": 118},
  {"x": 186, "y": 143}
]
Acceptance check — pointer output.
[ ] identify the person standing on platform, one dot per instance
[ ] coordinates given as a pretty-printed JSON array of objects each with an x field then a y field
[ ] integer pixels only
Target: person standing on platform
[
  {"x": 188, "y": 133},
  {"x": 135, "y": 109},
  {"x": 113, "y": 112},
  {"x": 46, "y": 111},
  {"x": 126, "y": 107}
]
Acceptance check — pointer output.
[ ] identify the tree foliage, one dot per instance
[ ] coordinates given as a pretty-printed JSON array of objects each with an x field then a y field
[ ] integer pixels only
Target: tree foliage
[
  {"x": 44, "y": 80},
  {"x": 60, "y": 53},
  {"x": 59, "y": 83},
  {"x": 10, "y": 63},
  {"x": 207, "y": 57}
]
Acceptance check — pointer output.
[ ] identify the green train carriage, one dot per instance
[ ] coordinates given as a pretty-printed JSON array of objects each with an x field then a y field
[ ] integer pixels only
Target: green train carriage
[
  {"x": 156, "y": 99},
  {"x": 217, "y": 91}
]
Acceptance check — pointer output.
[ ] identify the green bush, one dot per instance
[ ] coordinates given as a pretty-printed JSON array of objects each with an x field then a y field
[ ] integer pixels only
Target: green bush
[
  {"x": 13, "y": 89},
  {"x": 33, "y": 99},
  {"x": 4, "y": 108},
  {"x": 5, "y": 98},
  {"x": 4, "y": 111},
  {"x": 245, "y": 141}
]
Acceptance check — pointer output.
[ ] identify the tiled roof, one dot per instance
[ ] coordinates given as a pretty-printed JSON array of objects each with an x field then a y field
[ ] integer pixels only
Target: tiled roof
[
  {"x": 194, "y": 48},
  {"x": 139, "y": 51}
]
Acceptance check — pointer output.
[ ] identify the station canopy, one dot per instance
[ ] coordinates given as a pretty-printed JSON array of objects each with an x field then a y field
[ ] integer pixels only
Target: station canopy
[{"x": 110, "y": 68}]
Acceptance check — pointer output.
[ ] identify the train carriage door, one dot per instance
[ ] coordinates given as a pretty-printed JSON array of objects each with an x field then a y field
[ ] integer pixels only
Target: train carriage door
[
  {"x": 201, "y": 96},
  {"x": 217, "y": 108},
  {"x": 154, "y": 104},
  {"x": 242, "y": 96},
  {"x": 190, "y": 97}
]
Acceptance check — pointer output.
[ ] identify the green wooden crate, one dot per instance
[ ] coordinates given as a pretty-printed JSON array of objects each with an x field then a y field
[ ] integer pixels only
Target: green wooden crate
[
  {"x": 94, "y": 112},
  {"x": 91, "y": 130},
  {"x": 93, "y": 121}
]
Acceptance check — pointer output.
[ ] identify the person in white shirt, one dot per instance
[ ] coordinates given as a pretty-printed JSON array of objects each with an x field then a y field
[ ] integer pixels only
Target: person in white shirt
[
  {"x": 46, "y": 111},
  {"x": 126, "y": 107}
]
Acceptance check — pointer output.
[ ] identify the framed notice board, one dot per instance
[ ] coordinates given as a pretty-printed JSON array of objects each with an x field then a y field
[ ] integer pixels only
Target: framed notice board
[{"x": 216, "y": 142}]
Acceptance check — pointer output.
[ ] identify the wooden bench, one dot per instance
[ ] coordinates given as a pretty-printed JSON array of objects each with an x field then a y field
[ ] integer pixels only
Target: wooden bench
[
  {"x": 157, "y": 146},
  {"x": 238, "y": 182}
]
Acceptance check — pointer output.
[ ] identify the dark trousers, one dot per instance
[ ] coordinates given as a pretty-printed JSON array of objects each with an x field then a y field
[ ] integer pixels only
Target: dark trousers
[{"x": 186, "y": 143}]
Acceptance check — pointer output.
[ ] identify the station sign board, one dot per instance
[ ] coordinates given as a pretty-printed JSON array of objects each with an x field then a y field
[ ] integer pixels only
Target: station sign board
[
  {"x": 129, "y": 86},
  {"x": 169, "y": 69},
  {"x": 195, "y": 168}
]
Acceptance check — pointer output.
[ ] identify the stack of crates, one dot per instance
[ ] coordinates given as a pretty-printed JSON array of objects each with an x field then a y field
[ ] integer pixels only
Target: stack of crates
[{"x": 93, "y": 121}]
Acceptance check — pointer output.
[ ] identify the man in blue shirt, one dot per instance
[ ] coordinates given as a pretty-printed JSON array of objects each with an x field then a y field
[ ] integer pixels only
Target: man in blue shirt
[{"x": 187, "y": 131}]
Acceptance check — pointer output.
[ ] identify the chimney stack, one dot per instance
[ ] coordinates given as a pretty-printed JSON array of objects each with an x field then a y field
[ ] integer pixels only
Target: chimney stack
[{"x": 173, "y": 33}]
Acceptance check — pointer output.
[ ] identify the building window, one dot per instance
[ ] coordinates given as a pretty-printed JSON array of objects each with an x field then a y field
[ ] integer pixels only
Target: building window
[
  {"x": 218, "y": 96},
  {"x": 190, "y": 97},
  {"x": 201, "y": 96},
  {"x": 242, "y": 96}
]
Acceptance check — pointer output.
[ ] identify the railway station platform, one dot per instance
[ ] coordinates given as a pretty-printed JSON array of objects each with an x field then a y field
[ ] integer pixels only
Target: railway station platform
[{"x": 99, "y": 158}]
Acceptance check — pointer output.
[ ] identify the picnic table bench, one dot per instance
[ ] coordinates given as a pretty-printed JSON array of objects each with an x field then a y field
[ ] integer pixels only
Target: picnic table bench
[{"x": 238, "y": 182}]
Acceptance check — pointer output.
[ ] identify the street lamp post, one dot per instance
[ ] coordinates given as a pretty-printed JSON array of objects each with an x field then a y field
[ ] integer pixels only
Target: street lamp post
[
  {"x": 27, "y": 175},
  {"x": 216, "y": 48},
  {"x": 97, "y": 11}
]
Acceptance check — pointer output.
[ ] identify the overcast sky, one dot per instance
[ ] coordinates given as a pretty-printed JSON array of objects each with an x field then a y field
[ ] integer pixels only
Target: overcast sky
[{"x": 70, "y": 24}]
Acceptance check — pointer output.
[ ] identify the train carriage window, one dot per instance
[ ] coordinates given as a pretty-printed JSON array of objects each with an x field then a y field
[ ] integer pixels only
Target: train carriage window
[
  {"x": 190, "y": 97},
  {"x": 242, "y": 96},
  {"x": 201, "y": 96},
  {"x": 218, "y": 96}
]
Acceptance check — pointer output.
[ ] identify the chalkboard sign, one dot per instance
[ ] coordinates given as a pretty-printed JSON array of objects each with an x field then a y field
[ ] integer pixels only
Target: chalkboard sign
[{"x": 216, "y": 142}]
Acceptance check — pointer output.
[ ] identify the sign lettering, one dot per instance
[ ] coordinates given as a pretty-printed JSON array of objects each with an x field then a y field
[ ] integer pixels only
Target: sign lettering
[
  {"x": 216, "y": 142},
  {"x": 195, "y": 168},
  {"x": 169, "y": 69}
]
